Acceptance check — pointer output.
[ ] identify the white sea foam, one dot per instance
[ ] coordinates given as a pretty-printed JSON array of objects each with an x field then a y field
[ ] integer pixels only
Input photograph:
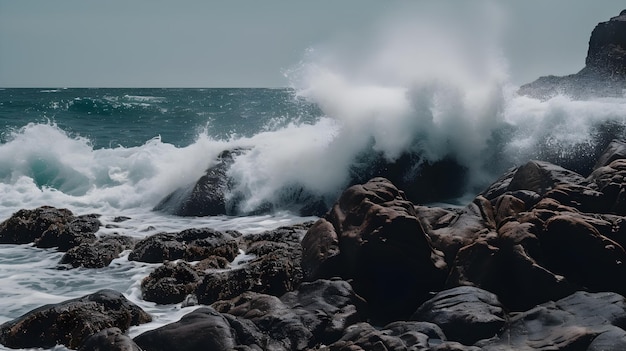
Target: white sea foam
[{"x": 423, "y": 85}]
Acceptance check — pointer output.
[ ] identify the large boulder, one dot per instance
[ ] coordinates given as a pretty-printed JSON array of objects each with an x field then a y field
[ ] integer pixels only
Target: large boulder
[
  {"x": 202, "y": 329},
  {"x": 372, "y": 236},
  {"x": 71, "y": 322},
  {"x": 604, "y": 73}
]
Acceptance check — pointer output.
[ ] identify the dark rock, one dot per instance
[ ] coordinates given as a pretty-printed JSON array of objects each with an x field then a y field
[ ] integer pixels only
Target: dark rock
[
  {"x": 606, "y": 56},
  {"x": 383, "y": 249},
  {"x": 98, "y": 254},
  {"x": 317, "y": 313},
  {"x": 120, "y": 219},
  {"x": 202, "y": 329},
  {"x": 170, "y": 283},
  {"x": 465, "y": 314},
  {"x": 275, "y": 268},
  {"x": 71, "y": 322},
  {"x": 422, "y": 181},
  {"x": 25, "y": 226},
  {"x": 614, "y": 151},
  {"x": 604, "y": 73},
  {"x": 110, "y": 339},
  {"x": 576, "y": 249},
  {"x": 535, "y": 177},
  {"x": 404, "y": 335},
  {"x": 189, "y": 245},
  {"x": 610, "y": 178},
  {"x": 510, "y": 272},
  {"x": 582, "y": 321},
  {"x": 461, "y": 227},
  {"x": 65, "y": 236},
  {"x": 274, "y": 273},
  {"x": 207, "y": 197}
]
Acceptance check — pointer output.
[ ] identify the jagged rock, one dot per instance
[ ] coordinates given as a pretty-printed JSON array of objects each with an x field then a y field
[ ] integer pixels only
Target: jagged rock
[
  {"x": 465, "y": 314},
  {"x": 98, "y": 254},
  {"x": 382, "y": 247},
  {"x": 110, "y": 339},
  {"x": 49, "y": 227},
  {"x": 71, "y": 322},
  {"x": 190, "y": 245},
  {"x": 207, "y": 197}
]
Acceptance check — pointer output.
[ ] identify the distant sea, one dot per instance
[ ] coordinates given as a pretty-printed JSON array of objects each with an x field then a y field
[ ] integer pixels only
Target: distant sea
[{"x": 118, "y": 152}]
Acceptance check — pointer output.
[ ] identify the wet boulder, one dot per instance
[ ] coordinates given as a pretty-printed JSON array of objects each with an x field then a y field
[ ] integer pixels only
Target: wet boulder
[
  {"x": 317, "y": 313},
  {"x": 49, "y": 227},
  {"x": 191, "y": 245},
  {"x": 110, "y": 339},
  {"x": 98, "y": 254},
  {"x": 404, "y": 335},
  {"x": 272, "y": 267},
  {"x": 202, "y": 329},
  {"x": 71, "y": 322},
  {"x": 373, "y": 237},
  {"x": 78, "y": 230}
]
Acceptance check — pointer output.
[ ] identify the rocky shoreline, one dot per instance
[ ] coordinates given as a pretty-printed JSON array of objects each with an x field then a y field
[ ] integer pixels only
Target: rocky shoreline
[{"x": 536, "y": 261}]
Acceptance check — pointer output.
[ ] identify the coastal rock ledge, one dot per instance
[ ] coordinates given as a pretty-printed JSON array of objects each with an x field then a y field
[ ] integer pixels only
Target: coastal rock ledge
[{"x": 535, "y": 262}]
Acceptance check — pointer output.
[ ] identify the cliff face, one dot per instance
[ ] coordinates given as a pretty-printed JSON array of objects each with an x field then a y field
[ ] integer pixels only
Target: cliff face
[
  {"x": 606, "y": 56},
  {"x": 604, "y": 74}
]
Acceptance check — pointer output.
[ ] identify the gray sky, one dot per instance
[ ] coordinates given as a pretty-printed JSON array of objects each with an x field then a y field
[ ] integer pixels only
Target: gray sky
[{"x": 250, "y": 43}]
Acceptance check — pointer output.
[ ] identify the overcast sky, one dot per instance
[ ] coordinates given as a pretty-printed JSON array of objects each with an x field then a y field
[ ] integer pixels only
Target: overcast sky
[{"x": 251, "y": 43}]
